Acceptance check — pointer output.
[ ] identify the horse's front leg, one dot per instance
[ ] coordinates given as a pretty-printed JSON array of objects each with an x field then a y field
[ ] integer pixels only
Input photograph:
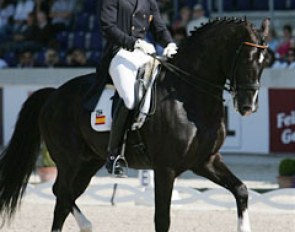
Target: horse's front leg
[
  {"x": 215, "y": 170},
  {"x": 164, "y": 179}
]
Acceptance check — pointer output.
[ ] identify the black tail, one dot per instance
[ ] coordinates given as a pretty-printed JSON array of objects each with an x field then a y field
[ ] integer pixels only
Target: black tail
[{"x": 18, "y": 160}]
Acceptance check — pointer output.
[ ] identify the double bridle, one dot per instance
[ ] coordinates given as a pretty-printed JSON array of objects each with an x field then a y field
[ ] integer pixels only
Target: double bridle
[{"x": 232, "y": 87}]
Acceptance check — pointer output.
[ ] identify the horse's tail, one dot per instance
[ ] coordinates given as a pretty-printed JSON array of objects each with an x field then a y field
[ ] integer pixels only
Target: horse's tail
[{"x": 18, "y": 160}]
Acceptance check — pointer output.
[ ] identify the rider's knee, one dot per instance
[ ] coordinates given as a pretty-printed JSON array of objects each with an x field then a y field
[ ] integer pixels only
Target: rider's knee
[{"x": 129, "y": 103}]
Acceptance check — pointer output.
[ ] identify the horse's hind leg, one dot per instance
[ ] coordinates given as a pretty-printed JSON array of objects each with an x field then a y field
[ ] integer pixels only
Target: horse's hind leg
[
  {"x": 215, "y": 170},
  {"x": 83, "y": 177},
  {"x": 64, "y": 203},
  {"x": 70, "y": 184}
]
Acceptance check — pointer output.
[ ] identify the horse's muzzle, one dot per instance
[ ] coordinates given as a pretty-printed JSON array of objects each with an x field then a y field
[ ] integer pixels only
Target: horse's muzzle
[{"x": 245, "y": 110}]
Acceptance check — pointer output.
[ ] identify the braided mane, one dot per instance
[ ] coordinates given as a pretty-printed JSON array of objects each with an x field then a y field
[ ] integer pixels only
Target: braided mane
[{"x": 219, "y": 20}]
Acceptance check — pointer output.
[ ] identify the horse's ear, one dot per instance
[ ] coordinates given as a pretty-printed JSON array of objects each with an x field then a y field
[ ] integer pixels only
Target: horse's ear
[{"x": 265, "y": 27}]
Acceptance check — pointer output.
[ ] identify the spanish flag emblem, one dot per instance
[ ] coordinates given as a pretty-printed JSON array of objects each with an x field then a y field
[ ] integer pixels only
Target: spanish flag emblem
[{"x": 100, "y": 119}]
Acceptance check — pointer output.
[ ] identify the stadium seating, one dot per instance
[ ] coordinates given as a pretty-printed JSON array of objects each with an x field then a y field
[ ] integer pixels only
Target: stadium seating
[
  {"x": 84, "y": 32},
  {"x": 77, "y": 39},
  {"x": 90, "y": 6},
  {"x": 40, "y": 57},
  {"x": 243, "y": 5},
  {"x": 81, "y": 22},
  {"x": 62, "y": 39},
  {"x": 11, "y": 59},
  {"x": 260, "y": 5}
]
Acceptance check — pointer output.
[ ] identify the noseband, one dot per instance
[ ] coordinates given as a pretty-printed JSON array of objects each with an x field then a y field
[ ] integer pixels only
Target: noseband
[{"x": 233, "y": 86}]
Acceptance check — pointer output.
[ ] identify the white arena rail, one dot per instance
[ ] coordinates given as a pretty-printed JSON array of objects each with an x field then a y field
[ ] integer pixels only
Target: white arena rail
[{"x": 101, "y": 194}]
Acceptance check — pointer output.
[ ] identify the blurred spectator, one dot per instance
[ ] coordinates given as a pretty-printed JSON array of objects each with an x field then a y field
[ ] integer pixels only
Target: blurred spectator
[
  {"x": 27, "y": 31},
  {"x": 280, "y": 64},
  {"x": 7, "y": 9},
  {"x": 166, "y": 9},
  {"x": 198, "y": 18},
  {"x": 179, "y": 35},
  {"x": 272, "y": 40},
  {"x": 23, "y": 8},
  {"x": 287, "y": 41},
  {"x": 43, "y": 5},
  {"x": 46, "y": 34},
  {"x": 77, "y": 58},
  {"x": 24, "y": 38},
  {"x": 184, "y": 18},
  {"x": 61, "y": 13},
  {"x": 3, "y": 63},
  {"x": 52, "y": 58},
  {"x": 26, "y": 60},
  {"x": 291, "y": 58}
]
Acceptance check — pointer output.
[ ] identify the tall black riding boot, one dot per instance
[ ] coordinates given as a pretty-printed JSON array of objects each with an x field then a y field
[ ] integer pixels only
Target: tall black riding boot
[{"x": 119, "y": 126}]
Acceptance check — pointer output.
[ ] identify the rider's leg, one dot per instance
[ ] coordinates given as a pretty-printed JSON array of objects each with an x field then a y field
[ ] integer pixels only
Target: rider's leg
[
  {"x": 123, "y": 70},
  {"x": 119, "y": 126}
]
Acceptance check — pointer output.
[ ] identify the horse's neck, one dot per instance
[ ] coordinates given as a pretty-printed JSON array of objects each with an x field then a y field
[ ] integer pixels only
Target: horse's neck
[{"x": 201, "y": 108}]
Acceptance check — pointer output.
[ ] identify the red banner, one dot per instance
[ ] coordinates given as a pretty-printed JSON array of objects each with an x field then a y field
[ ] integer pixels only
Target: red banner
[{"x": 282, "y": 120}]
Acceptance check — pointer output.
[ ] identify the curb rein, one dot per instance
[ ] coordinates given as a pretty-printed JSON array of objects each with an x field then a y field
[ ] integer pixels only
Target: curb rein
[{"x": 230, "y": 87}]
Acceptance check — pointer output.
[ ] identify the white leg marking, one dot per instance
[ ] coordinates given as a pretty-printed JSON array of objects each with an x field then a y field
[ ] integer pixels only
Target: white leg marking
[
  {"x": 84, "y": 224},
  {"x": 254, "y": 100},
  {"x": 244, "y": 222}
]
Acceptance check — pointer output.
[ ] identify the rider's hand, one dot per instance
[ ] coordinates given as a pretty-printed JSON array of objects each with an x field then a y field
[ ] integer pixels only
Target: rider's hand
[
  {"x": 170, "y": 50},
  {"x": 146, "y": 47}
]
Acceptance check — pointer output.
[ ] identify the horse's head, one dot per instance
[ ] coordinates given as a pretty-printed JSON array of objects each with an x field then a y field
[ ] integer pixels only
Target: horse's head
[{"x": 246, "y": 68}]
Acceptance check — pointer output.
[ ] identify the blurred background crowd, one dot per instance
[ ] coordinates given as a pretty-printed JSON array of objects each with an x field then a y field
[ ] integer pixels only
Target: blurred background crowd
[{"x": 65, "y": 33}]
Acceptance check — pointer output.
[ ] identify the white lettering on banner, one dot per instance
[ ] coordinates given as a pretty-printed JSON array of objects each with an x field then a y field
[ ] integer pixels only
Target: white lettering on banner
[
  {"x": 288, "y": 136},
  {"x": 285, "y": 120}
]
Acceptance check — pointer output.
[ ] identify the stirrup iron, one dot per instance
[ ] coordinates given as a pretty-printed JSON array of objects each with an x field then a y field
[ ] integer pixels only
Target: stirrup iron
[
  {"x": 122, "y": 162},
  {"x": 122, "y": 159}
]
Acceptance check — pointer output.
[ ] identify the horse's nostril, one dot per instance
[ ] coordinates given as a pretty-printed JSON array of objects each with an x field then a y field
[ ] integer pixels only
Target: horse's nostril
[{"x": 246, "y": 110}]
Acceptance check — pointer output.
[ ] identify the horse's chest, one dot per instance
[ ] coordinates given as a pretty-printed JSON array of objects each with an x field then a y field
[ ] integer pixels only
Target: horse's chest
[{"x": 176, "y": 129}]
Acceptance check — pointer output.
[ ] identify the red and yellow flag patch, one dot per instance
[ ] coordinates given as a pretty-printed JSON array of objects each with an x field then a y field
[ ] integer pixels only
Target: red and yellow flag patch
[{"x": 100, "y": 119}]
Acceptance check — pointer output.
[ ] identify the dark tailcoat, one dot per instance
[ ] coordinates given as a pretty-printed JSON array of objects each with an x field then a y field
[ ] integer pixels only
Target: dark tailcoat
[{"x": 124, "y": 21}]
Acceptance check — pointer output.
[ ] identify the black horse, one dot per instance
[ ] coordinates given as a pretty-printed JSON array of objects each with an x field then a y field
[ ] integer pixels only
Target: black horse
[{"x": 185, "y": 133}]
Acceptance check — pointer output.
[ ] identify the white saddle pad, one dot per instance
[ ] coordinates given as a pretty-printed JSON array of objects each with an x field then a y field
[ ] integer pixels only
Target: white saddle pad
[{"x": 101, "y": 117}]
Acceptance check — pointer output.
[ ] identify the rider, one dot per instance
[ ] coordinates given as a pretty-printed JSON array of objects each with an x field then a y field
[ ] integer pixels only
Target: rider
[{"x": 124, "y": 24}]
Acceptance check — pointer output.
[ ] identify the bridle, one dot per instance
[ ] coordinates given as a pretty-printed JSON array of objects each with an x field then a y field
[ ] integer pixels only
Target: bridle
[{"x": 232, "y": 87}]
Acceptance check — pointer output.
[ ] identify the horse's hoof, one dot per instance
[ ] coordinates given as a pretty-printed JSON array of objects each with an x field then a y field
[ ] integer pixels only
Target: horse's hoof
[
  {"x": 86, "y": 229},
  {"x": 244, "y": 230}
]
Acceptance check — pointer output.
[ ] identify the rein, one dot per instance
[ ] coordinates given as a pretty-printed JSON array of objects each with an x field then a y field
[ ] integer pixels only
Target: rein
[
  {"x": 194, "y": 81},
  {"x": 189, "y": 78}
]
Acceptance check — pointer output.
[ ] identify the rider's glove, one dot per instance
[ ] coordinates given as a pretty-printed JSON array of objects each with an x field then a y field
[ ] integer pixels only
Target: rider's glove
[
  {"x": 146, "y": 47},
  {"x": 170, "y": 50}
]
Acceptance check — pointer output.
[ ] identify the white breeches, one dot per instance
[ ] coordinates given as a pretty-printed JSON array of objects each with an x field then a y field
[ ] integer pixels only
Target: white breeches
[{"x": 123, "y": 70}]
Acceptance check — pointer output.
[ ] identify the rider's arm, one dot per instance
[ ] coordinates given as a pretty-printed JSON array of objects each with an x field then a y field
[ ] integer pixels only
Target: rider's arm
[
  {"x": 158, "y": 28},
  {"x": 108, "y": 20}
]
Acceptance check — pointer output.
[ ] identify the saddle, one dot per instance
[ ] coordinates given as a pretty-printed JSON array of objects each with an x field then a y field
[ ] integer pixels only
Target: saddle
[{"x": 101, "y": 117}]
